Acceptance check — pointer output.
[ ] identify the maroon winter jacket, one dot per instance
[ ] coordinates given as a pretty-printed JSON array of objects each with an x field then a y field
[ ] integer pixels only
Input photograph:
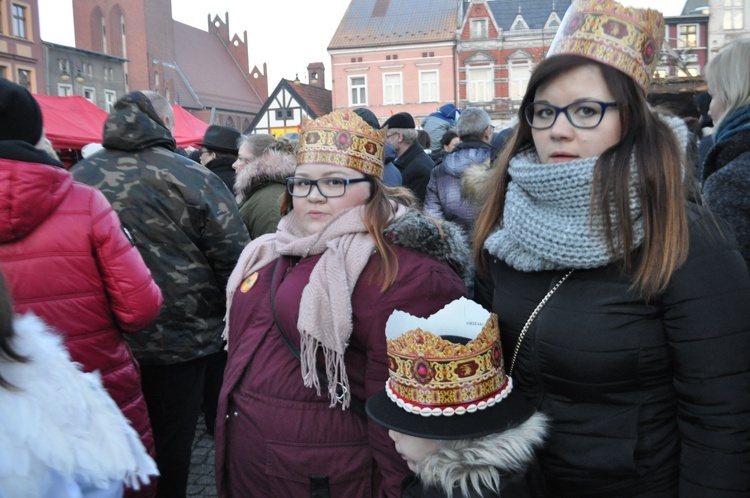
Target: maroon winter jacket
[
  {"x": 272, "y": 433},
  {"x": 67, "y": 260}
]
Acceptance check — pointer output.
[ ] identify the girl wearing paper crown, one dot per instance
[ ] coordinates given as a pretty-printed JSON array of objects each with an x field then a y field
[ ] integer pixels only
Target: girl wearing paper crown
[
  {"x": 307, "y": 308},
  {"x": 452, "y": 411},
  {"x": 623, "y": 307}
]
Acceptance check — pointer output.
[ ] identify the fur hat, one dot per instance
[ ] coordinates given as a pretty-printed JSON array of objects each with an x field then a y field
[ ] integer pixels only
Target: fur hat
[
  {"x": 221, "y": 139},
  {"x": 342, "y": 138},
  {"x": 400, "y": 120},
  {"x": 605, "y": 31},
  {"x": 20, "y": 114},
  {"x": 446, "y": 387}
]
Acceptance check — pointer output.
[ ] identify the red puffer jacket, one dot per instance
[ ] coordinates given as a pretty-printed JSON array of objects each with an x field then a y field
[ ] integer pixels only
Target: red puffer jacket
[{"x": 67, "y": 260}]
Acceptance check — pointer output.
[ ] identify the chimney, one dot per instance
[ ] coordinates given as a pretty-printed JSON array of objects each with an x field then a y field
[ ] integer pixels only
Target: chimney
[{"x": 316, "y": 73}]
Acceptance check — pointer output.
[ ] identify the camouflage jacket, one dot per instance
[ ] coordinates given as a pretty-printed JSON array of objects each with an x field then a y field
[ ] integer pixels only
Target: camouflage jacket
[{"x": 181, "y": 217}]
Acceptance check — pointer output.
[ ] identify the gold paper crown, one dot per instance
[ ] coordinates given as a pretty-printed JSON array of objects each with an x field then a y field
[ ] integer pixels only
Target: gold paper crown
[
  {"x": 625, "y": 38},
  {"x": 342, "y": 138},
  {"x": 434, "y": 376}
]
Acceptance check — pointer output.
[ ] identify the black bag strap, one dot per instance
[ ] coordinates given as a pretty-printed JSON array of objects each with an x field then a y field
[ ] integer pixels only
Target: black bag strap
[{"x": 356, "y": 405}]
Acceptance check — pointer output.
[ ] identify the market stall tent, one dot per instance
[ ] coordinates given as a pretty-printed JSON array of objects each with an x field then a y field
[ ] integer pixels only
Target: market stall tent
[
  {"x": 188, "y": 130},
  {"x": 72, "y": 122}
]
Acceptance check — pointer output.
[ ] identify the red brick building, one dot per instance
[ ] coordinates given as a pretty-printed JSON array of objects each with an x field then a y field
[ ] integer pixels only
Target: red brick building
[
  {"x": 173, "y": 58},
  {"x": 499, "y": 44}
]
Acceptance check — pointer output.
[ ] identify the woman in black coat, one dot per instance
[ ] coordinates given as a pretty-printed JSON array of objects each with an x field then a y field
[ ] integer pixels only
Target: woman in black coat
[
  {"x": 624, "y": 309},
  {"x": 726, "y": 170}
]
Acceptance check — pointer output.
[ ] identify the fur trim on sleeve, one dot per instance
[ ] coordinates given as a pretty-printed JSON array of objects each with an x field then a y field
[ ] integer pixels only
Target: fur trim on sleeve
[{"x": 481, "y": 462}]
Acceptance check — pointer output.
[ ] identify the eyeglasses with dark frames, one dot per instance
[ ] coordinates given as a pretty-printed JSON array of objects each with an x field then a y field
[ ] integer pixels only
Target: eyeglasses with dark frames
[
  {"x": 585, "y": 114},
  {"x": 328, "y": 187}
]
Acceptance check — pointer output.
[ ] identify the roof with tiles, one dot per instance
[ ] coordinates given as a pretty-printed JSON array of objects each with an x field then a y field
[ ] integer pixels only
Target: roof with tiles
[
  {"x": 373, "y": 23},
  {"x": 318, "y": 100},
  {"x": 534, "y": 12},
  {"x": 209, "y": 74}
]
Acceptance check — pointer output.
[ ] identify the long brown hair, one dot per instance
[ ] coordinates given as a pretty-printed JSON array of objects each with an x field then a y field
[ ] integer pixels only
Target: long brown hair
[
  {"x": 659, "y": 161},
  {"x": 379, "y": 210},
  {"x": 6, "y": 330}
]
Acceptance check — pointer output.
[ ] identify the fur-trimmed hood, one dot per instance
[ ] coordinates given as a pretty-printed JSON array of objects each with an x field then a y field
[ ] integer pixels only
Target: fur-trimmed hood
[
  {"x": 482, "y": 463},
  {"x": 440, "y": 239},
  {"x": 475, "y": 182},
  {"x": 272, "y": 166}
]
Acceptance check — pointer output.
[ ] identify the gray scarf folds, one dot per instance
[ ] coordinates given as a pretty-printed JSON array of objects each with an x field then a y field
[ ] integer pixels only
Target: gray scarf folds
[{"x": 548, "y": 223}]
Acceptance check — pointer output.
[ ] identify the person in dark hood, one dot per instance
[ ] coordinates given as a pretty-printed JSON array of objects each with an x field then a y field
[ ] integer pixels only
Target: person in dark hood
[
  {"x": 185, "y": 223},
  {"x": 218, "y": 151}
]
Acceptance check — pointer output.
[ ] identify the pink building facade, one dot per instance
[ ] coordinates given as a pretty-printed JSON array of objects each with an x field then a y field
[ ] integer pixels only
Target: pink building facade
[
  {"x": 416, "y": 79},
  {"x": 396, "y": 56}
]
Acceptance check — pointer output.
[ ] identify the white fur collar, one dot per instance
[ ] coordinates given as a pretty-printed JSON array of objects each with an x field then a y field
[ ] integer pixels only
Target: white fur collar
[{"x": 62, "y": 419}]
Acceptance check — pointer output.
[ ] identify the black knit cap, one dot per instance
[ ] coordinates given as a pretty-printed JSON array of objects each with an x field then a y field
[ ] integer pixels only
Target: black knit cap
[
  {"x": 368, "y": 116},
  {"x": 20, "y": 115},
  {"x": 400, "y": 120}
]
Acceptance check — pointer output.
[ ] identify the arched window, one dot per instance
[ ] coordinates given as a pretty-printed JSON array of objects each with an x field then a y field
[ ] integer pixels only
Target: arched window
[{"x": 104, "y": 36}]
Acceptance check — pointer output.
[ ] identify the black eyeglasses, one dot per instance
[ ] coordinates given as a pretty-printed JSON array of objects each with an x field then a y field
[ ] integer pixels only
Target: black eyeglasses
[
  {"x": 585, "y": 114},
  {"x": 328, "y": 187}
]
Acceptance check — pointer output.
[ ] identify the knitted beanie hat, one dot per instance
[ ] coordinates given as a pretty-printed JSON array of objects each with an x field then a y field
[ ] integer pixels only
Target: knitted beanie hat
[{"x": 20, "y": 115}]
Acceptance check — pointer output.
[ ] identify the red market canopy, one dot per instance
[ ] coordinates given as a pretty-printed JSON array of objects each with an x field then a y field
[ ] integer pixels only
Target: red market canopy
[
  {"x": 188, "y": 130},
  {"x": 72, "y": 122}
]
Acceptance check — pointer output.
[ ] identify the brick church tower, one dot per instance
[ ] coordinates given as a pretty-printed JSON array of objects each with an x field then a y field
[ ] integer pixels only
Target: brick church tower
[{"x": 139, "y": 30}]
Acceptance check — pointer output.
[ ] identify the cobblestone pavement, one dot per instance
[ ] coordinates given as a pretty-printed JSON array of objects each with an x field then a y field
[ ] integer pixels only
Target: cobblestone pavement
[{"x": 201, "y": 483}]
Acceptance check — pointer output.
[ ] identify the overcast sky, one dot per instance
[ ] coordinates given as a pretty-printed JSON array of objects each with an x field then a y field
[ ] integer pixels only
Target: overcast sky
[{"x": 285, "y": 34}]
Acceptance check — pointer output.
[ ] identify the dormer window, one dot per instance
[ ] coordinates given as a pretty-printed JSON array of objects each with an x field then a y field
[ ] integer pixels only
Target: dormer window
[
  {"x": 479, "y": 28},
  {"x": 519, "y": 24},
  {"x": 553, "y": 21}
]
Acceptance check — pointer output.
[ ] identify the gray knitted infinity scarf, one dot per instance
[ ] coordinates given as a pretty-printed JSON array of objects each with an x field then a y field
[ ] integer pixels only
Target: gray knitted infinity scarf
[{"x": 547, "y": 223}]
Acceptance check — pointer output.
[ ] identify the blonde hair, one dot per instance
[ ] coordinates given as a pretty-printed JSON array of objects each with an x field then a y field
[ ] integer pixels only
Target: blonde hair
[{"x": 728, "y": 77}]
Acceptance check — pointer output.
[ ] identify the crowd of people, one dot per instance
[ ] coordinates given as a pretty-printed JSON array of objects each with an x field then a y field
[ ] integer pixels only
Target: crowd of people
[{"x": 263, "y": 282}]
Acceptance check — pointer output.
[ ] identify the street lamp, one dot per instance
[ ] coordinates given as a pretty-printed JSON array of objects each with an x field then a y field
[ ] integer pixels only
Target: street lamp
[{"x": 78, "y": 69}]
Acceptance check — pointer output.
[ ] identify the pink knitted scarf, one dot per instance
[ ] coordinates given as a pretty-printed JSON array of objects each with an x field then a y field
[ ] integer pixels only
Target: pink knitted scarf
[{"x": 325, "y": 311}]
